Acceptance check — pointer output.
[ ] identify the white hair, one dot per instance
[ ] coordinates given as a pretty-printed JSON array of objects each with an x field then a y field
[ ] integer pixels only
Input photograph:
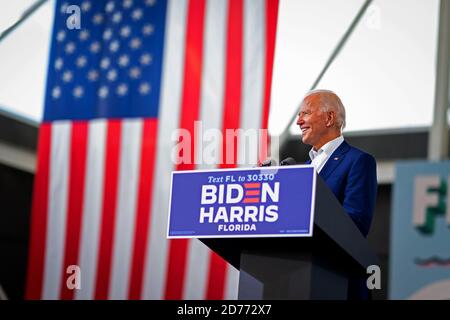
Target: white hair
[{"x": 330, "y": 101}]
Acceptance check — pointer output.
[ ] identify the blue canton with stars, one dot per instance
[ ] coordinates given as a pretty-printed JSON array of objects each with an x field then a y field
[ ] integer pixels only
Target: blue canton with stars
[{"x": 111, "y": 66}]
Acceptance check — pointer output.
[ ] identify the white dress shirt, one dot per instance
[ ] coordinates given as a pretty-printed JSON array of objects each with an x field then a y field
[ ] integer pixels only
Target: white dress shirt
[{"x": 320, "y": 157}]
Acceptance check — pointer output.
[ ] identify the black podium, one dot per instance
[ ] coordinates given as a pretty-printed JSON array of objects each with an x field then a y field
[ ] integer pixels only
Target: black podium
[{"x": 316, "y": 267}]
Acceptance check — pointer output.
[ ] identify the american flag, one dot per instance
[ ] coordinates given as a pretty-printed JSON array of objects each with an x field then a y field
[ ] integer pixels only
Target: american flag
[{"x": 117, "y": 90}]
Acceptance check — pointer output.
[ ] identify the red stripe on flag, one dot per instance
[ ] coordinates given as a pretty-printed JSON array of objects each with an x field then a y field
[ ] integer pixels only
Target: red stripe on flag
[
  {"x": 233, "y": 80},
  {"x": 147, "y": 163},
  {"x": 271, "y": 27},
  {"x": 38, "y": 233},
  {"x": 110, "y": 188},
  {"x": 231, "y": 120},
  {"x": 216, "y": 277},
  {"x": 77, "y": 174},
  {"x": 176, "y": 269}
]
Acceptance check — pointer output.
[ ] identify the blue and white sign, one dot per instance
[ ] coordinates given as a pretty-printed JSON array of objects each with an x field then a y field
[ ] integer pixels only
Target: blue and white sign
[
  {"x": 258, "y": 202},
  {"x": 420, "y": 232}
]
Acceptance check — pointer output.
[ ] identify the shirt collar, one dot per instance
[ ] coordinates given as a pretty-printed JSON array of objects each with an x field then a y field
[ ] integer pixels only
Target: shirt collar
[{"x": 328, "y": 147}]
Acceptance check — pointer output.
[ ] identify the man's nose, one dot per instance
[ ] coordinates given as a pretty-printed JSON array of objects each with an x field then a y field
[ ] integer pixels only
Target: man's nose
[{"x": 300, "y": 120}]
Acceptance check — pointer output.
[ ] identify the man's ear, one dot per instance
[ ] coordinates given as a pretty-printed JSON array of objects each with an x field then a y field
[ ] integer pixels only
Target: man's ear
[{"x": 331, "y": 118}]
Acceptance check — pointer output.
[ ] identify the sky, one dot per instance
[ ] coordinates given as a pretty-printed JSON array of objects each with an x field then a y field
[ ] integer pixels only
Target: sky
[{"x": 384, "y": 74}]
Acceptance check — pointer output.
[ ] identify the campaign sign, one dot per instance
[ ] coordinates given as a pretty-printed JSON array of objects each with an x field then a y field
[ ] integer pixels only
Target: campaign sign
[{"x": 258, "y": 202}]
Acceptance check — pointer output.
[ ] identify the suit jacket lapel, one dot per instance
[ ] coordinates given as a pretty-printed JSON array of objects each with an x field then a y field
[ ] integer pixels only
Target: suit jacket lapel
[{"x": 334, "y": 160}]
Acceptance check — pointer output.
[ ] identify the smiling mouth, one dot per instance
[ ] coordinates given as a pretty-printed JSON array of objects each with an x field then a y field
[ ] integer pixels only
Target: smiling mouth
[{"x": 304, "y": 130}]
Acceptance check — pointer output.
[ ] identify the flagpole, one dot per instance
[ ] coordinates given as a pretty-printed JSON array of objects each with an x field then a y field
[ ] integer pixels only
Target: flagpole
[
  {"x": 285, "y": 135},
  {"x": 25, "y": 15}
]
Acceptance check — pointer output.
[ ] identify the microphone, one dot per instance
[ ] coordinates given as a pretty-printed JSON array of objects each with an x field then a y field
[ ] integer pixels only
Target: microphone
[
  {"x": 288, "y": 162},
  {"x": 268, "y": 163}
]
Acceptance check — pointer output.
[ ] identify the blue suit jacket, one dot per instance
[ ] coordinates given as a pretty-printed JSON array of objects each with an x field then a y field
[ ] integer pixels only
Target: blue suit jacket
[{"x": 352, "y": 176}]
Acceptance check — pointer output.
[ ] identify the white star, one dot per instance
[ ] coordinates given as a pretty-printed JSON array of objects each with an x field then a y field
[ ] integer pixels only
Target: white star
[
  {"x": 81, "y": 61},
  {"x": 117, "y": 17},
  {"x": 84, "y": 34},
  {"x": 146, "y": 59},
  {"x": 103, "y": 92},
  {"x": 111, "y": 75},
  {"x": 61, "y": 35},
  {"x": 123, "y": 60},
  {"x": 95, "y": 47},
  {"x": 107, "y": 34},
  {"x": 150, "y": 2},
  {"x": 135, "y": 43},
  {"x": 144, "y": 88},
  {"x": 59, "y": 63},
  {"x": 114, "y": 46},
  {"x": 97, "y": 19},
  {"x": 104, "y": 63},
  {"x": 56, "y": 92},
  {"x": 135, "y": 72},
  {"x": 148, "y": 29},
  {"x": 137, "y": 14},
  {"x": 67, "y": 76},
  {"x": 125, "y": 31},
  {"x": 93, "y": 75},
  {"x": 78, "y": 92},
  {"x": 127, "y": 3},
  {"x": 122, "y": 89},
  {"x": 70, "y": 48},
  {"x": 85, "y": 6},
  {"x": 109, "y": 6}
]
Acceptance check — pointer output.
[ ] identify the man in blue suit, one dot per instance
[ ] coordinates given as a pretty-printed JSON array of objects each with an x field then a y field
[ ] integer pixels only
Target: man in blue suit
[{"x": 349, "y": 172}]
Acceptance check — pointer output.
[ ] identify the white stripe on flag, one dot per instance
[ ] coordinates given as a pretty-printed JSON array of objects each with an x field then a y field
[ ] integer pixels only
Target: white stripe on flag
[
  {"x": 156, "y": 256},
  {"x": 93, "y": 195},
  {"x": 126, "y": 208},
  {"x": 57, "y": 214},
  {"x": 253, "y": 77},
  {"x": 213, "y": 78},
  {"x": 232, "y": 283},
  {"x": 211, "y": 116},
  {"x": 197, "y": 271}
]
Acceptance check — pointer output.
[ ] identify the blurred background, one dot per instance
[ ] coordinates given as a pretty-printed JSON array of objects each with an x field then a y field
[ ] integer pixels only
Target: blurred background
[{"x": 388, "y": 60}]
